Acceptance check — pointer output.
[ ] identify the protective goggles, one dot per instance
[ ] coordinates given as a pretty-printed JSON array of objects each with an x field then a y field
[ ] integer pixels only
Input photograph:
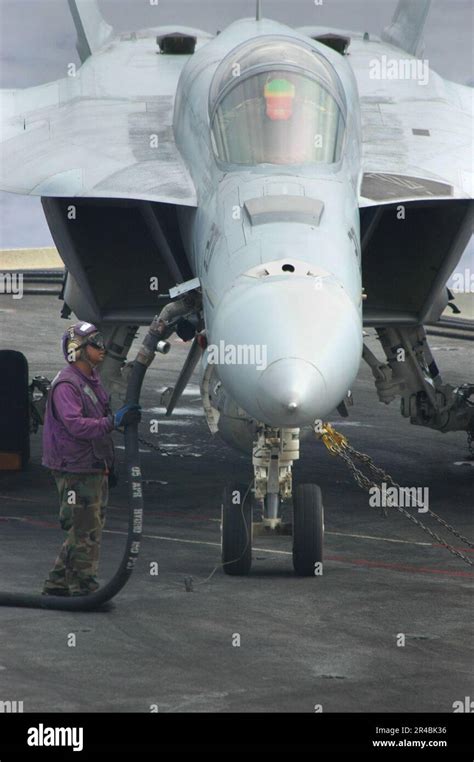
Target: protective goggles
[{"x": 96, "y": 341}]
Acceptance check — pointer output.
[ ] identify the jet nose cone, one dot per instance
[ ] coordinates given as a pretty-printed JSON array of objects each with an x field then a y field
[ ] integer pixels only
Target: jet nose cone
[
  {"x": 304, "y": 347},
  {"x": 290, "y": 391}
]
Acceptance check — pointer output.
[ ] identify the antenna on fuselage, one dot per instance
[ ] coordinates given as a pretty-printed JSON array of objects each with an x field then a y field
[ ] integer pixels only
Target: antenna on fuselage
[{"x": 259, "y": 10}]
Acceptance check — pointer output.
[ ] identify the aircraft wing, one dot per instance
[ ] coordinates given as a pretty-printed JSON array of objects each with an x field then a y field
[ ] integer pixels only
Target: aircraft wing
[
  {"x": 416, "y": 138},
  {"x": 105, "y": 130},
  {"x": 416, "y": 127}
]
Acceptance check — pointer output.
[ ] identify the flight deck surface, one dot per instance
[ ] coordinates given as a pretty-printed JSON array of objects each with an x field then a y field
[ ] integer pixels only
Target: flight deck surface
[{"x": 332, "y": 642}]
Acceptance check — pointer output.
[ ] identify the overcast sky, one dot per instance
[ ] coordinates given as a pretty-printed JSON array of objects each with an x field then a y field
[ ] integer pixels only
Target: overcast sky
[{"x": 37, "y": 41}]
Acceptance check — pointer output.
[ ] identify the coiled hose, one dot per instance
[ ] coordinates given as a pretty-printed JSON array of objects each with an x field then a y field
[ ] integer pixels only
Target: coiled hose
[{"x": 92, "y": 601}]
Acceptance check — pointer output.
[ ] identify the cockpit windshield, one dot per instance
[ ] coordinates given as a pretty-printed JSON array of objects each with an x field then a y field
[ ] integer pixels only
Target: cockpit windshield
[{"x": 276, "y": 102}]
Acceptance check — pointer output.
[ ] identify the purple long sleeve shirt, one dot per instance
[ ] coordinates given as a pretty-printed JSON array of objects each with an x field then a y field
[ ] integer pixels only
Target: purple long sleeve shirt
[
  {"x": 78, "y": 424},
  {"x": 68, "y": 407}
]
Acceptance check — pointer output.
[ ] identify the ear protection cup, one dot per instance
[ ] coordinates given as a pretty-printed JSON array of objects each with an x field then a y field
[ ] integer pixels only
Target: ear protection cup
[
  {"x": 74, "y": 346},
  {"x": 74, "y": 339}
]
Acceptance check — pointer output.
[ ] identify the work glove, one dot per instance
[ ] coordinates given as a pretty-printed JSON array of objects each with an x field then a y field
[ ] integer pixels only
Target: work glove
[{"x": 126, "y": 415}]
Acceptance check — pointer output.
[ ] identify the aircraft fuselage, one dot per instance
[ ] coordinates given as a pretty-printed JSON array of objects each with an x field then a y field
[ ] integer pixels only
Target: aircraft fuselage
[{"x": 269, "y": 126}]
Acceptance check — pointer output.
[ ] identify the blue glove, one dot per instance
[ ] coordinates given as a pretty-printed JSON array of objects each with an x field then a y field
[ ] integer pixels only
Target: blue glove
[{"x": 126, "y": 415}]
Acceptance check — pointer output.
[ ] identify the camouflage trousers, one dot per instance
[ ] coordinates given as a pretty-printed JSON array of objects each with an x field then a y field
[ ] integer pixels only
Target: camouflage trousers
[{"x": 83, "y": 501}]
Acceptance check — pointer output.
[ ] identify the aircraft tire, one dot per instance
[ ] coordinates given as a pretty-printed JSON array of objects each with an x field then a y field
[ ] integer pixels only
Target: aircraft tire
[
  {"x": 236, "y": 523},
  {"x": 14, "y": 404},
  {"x": 308, "y": 529}
]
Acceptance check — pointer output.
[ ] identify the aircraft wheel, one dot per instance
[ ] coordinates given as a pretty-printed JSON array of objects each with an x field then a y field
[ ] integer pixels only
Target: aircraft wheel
[
  {"x": 14, "y": 407},
  {"x": 308, "y": 529},
  {"x": 237, "y": 529}
]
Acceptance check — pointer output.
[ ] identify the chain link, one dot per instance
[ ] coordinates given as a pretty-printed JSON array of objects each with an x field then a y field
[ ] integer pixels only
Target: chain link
[
  {"x": 152, "y": 445},
  {"x": 338, "y": 445}
]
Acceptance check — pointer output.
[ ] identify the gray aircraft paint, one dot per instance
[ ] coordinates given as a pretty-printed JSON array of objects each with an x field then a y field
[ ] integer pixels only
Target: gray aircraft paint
[
  {"x": 395, "y": 149},
  {"x": 319, "y": 304}
]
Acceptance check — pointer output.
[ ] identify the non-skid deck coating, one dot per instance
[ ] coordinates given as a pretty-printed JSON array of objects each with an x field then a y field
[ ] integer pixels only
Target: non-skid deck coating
[{"x": 329, "y": 641}]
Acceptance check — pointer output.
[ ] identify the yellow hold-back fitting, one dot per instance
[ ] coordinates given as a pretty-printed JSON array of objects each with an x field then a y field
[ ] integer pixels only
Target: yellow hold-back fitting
[{"x": 332, "y": 439}]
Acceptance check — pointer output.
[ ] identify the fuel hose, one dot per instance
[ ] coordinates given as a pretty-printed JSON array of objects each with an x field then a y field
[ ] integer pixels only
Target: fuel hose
[{"x": 95, "y": 600}]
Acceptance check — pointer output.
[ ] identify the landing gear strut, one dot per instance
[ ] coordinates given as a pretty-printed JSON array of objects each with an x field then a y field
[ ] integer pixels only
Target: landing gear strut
[
  {"x": 273, "y": 456},
  {"x": 411, "y": 373}
]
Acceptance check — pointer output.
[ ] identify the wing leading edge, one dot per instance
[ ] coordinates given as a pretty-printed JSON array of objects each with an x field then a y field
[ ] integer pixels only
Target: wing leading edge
[{"x": 105, "y": 132}]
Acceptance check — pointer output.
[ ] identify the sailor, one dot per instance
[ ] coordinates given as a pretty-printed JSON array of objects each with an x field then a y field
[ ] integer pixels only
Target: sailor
[{"x": 79, "y": 450}]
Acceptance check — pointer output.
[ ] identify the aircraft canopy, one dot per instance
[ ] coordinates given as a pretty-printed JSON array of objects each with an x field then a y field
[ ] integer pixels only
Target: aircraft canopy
[{"x": 276, "y": 102}]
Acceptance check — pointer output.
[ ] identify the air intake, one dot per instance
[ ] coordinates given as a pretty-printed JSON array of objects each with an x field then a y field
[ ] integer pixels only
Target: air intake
[
  {"x": 335, "y": 42},
  {"x": 177, "y": 44}
]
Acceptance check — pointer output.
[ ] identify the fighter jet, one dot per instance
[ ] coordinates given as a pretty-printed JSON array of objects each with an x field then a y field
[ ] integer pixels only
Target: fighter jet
[{"x": 274, "y": 190}]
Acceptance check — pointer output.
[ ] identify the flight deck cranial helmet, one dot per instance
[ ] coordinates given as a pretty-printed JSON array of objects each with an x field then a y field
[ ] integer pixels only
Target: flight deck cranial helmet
[{"x": 78, "y": 336}]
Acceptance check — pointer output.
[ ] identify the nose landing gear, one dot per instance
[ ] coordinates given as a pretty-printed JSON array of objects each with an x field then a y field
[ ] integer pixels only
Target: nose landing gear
[{"x": 273, "y": 457}]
